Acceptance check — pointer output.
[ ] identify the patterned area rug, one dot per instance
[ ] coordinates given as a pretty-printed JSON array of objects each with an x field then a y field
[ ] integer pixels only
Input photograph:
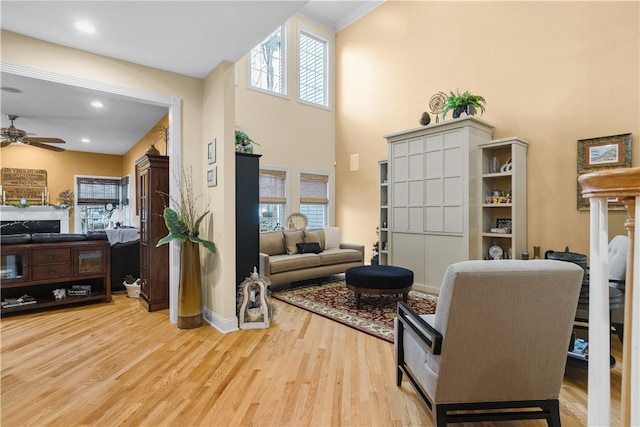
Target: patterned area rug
[{"x": 335, "y": 301}]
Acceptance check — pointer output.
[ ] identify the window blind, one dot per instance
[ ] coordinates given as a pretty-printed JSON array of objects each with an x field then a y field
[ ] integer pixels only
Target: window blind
[
  {"x": 313, "y": 189},
  {"x": 124, "y": 191},
  {"x": 98, "y": 191},
  {"x": 272, "y": 186},
  {"x": 312, "y": 54}
]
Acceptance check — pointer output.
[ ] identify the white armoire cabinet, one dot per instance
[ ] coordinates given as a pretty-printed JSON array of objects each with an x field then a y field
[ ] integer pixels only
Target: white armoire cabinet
[{"x": 434, "y": 202}]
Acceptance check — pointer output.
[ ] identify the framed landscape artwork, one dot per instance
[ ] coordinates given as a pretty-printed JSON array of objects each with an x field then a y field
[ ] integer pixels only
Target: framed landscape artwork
[{"x": 608, "y": 152}]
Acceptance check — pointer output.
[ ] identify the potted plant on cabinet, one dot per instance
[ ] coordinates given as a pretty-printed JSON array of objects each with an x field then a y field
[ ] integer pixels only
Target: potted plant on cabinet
[
  {"x": 184, "y": 225},
  {"x": 463, "y": 102},
  {"x": 244, "y": 144},
  {"x": 133, "y": 286}
]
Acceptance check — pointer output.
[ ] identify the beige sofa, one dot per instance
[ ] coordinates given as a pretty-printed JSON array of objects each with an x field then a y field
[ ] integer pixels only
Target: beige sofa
[{"x": 281, "y": 261}]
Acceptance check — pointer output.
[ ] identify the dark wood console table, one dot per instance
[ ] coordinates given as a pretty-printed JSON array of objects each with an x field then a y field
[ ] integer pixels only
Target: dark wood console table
[{"x": 36, "y": 269}]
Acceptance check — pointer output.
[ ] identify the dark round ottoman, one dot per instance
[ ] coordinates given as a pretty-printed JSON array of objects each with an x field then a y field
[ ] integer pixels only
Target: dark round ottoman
[{"x": 378, "y": 280}]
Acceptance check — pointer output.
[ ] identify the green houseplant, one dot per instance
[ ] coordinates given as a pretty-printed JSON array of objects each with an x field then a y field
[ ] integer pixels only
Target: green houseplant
[
  {"x": 184, "y": 225},
  {"x": 244, "y": 144},
  {"x": 463, "y": 102}
]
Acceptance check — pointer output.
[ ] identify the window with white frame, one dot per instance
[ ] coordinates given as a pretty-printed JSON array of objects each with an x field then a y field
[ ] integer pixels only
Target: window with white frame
[
  {"x": 267, "y": 63},
  {"x": 313, "y": 66},
  {"x": 314, "y": 198},
  {"x": 93, "y": 195},
  {"x": 273, "y": 199}
]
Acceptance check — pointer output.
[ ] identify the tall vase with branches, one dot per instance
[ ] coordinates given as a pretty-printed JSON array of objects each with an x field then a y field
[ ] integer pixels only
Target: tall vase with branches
[{"x": 184, "y": 225}]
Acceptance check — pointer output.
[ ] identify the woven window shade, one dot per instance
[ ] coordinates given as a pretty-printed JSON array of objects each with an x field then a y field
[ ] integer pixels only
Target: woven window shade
[
  {"x": 124, "y": 191},
  {"x": 313, "y": 189},
  {"x": 271, "y": 183},
  {"x": 98, "y": 191}
]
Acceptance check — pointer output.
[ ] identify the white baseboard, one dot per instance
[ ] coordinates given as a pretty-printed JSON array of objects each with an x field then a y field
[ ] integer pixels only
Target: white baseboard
[
  {"x": 223, "y": 325},
  {"x": 426, "y": 289}
]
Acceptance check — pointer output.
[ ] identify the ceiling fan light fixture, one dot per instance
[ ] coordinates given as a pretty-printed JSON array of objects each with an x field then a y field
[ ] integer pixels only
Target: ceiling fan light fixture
[{"x": 85, "y": 27}]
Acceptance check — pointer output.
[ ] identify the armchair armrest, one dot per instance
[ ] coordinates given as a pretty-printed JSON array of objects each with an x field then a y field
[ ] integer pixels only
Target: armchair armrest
[
  {"x": 264, "y": 265},
  {"x": 428, "y": 336}
]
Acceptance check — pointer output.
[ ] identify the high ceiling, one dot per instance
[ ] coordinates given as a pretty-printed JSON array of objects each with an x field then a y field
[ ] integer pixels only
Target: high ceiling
[{"x": 184, "y": 37}]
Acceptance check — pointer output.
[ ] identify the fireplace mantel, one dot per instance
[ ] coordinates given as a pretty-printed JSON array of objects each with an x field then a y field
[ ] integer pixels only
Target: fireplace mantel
[{"x": 36, "y": 213}]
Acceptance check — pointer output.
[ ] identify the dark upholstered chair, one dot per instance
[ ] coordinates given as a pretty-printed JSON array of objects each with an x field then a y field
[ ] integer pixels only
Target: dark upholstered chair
[{"x": 497, "y": 341}]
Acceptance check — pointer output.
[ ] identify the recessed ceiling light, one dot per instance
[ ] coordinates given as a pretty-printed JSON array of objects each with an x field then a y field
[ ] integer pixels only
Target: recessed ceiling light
[
  {"x": 85, "y": 140},
  {"x": 85, "y": 27},
  {"x": 97, "y": 104}
]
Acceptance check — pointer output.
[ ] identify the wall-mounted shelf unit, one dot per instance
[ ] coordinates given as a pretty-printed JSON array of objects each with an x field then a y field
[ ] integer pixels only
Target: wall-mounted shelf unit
[
  {"x": 503, "y": 192},
  {"x": 383, "y": 224}
]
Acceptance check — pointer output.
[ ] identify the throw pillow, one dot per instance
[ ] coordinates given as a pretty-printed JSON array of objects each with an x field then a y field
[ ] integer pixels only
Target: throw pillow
[
  {"x": 272, "y": 243},
  {"x": 332, "y": 238},
  {"x": 314, "y": 236},
  {"x": 292, "y": 238},
  {"x": 309, "y": 248}
]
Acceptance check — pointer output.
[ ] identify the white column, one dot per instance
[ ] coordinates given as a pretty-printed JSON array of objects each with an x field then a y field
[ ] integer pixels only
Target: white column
[
  {"x": 635, "y": 331},
  {"x": 599, "y": 384}
]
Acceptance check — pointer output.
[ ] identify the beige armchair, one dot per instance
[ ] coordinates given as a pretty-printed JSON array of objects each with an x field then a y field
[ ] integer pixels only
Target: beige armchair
[{"x": 498, "y": 340}]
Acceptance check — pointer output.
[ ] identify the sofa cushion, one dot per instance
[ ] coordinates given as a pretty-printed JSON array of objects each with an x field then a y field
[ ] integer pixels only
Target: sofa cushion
[
  {"x": 339, "y": 256},
  {"x": 57, "y": 237},
  {"x": 315, "y": 236},
  {"x": 15, "y": 239},
  {"x": 292, "y": 238},
  {"x": 282, "y": 263},
  {"x": 309, "y": 248},
  {"x": 272, "y": 243},
  {"x": 332, "y": 237}
]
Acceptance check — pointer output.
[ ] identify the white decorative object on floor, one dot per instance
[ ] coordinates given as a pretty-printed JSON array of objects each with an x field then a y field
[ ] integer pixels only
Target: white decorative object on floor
[
  {"x": 133, "y": 289},
  {"x": 255, "y": 312}
]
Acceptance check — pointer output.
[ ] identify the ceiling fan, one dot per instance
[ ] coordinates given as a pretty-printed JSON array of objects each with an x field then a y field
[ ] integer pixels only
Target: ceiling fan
[{"x": 11, "y": 134}]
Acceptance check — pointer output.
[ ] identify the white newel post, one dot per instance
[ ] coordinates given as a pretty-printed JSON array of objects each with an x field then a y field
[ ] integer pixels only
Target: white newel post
[
  {"x": 623, "y": 184},
  {"x": 599, "y": 397}
]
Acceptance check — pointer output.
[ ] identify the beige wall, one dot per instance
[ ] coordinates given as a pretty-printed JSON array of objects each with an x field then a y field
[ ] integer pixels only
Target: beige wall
[
  {"x": 61, "y": 167},
  {"x": 551, "y": 72},
  {"x": 291, "y": 134},
  {"x": 219, "y": 109}
]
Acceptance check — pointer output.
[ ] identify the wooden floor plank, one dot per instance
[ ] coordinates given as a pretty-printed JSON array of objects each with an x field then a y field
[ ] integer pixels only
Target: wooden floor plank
[{"x": 115, "y": 364}]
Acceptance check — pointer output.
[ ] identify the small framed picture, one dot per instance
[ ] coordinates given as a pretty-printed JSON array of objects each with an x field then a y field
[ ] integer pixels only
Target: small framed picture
[
  {"x": 211, "y": 151},
  {"x": 504, "y": 223},
  {"x": 212, "y": 177},
  {"x": 604, "y": 153}
]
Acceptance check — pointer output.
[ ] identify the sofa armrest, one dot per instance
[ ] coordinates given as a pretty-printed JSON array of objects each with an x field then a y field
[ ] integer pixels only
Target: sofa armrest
[
  {"x": 264, "y": 265},
  {"x": 354, "y": 246}
]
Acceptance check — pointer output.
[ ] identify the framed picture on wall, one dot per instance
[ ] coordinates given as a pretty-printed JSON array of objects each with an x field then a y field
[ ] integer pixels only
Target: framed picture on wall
[
  {"x": 212, "y": 177},
  {"x": 211, "y": 151},
  {"x": 608, "y": 152}
]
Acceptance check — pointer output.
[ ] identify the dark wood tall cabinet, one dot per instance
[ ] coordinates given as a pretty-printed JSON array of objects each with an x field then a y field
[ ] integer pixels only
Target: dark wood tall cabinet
[
  {"x": 152, "y": 179},
  {"x": 247, "y": 215}
]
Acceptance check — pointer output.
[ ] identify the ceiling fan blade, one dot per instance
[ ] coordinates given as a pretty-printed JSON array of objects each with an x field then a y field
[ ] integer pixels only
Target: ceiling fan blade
[
  {"x": 47, "y": 140},
  {"x": 5, "y": 143},
  {"x": 48, "y": 147}
]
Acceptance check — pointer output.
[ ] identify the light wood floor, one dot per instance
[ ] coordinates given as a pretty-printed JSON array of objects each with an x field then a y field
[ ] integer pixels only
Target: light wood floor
[{"x": 115, "y": 364}]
